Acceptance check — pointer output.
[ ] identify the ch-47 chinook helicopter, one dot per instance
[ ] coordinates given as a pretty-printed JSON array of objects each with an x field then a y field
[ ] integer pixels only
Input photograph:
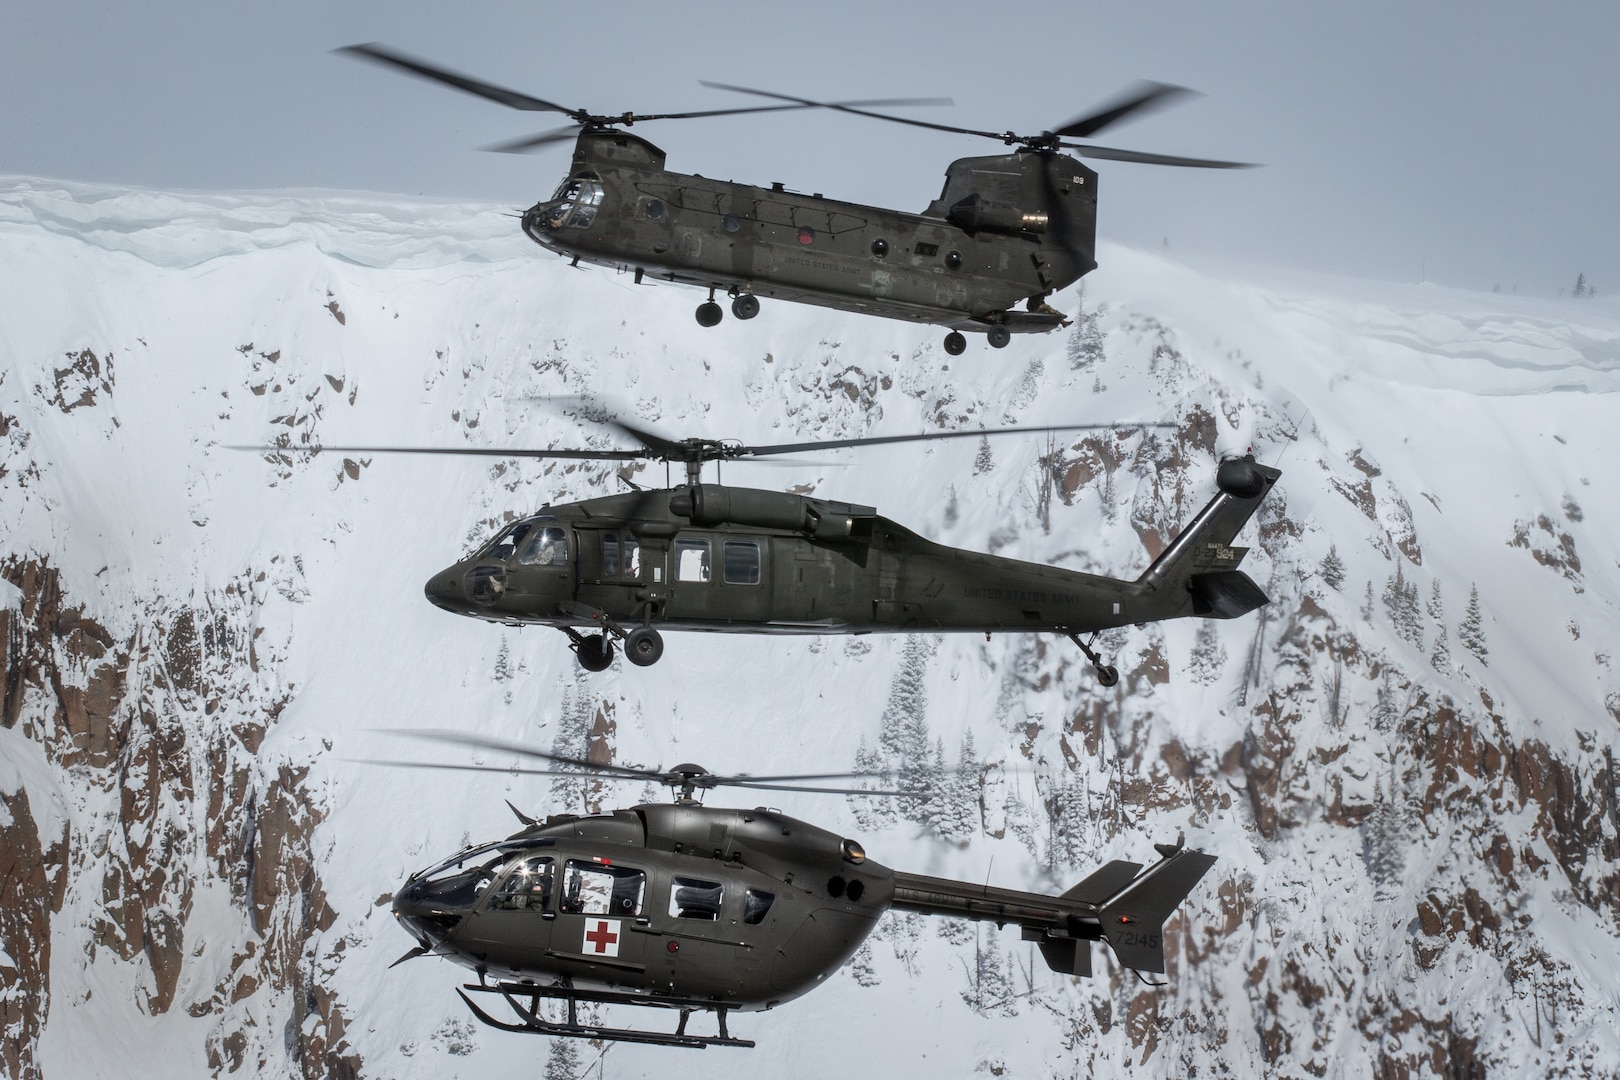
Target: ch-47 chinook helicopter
[
  {"x": 743, "y": 560},
  {"x": 1006, "y": 230},
  {"x": 690, "y": 908}
]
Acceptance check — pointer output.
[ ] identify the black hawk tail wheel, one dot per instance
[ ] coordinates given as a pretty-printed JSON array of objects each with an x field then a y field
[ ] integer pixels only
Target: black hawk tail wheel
[
  {"x": 1108, "y": 675},
  {"x": 709, "y": 313},
  {"x": 745, "y": 306},
  {"x": 955, "y": 343},
  {"x": 595, "y": 653},
  {"x": 998, "y": 335},
  {"x": 643, "y": 646}
]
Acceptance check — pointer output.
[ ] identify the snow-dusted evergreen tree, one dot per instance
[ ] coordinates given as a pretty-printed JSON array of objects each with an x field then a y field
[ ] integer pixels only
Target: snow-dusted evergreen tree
[
  {"x": 951, "y": 510},
  {"x": 1085, "y": 345},
  {"x": 991, "y": 991},
  {"x": 1070, "y": 806},
  {"x": 1583, "y": 288},
  {"x": 959, "y": 817},
  {"x": 1384, "y": 837},
  {"x": 1367, "y": 604},
  {"x": 860, "y": 965},
  {"x": 1333, "y": 569},
  {"x": 503, "y": 663},
  {"x": 1440, "y": 658},
  {"x": 1472, "y": 631},
  {"x": 872, "y": 813},
  {"x": 562, "y": 1060},
  {"x": 984, "y": 461},
  {"x": 1208, "y": 654},
  {"x": 573, "y": 740},
  {"x": 1401, "y": 601}
]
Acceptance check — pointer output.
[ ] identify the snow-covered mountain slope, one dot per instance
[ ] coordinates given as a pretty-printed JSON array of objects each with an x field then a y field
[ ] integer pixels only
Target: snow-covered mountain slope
[{"x": 1405, "y": 763}]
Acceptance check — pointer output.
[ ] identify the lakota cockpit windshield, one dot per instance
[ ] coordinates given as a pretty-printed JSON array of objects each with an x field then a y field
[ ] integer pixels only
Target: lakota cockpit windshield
[{"x": 575, "y": 204}]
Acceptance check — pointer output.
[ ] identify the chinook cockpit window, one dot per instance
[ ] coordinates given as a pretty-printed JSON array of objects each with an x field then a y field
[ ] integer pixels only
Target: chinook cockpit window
[
  {"x": 544, "y": 546},
  {"x": 576, "y": 202}
]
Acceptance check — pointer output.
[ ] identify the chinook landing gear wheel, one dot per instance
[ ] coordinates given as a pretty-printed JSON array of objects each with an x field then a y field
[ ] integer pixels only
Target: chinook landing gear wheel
[
  {"x": 709, "y": 313},
  {"x": 998, "y": 336},
  {"x": 595, "y": 653},
  {"x": 643, "y": 646},
  {"x": 745, "y": 306},
  {"x": 955, "y": 343}
]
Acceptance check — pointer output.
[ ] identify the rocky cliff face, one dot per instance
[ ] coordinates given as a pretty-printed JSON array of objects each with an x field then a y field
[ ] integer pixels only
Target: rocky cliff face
[{"x": 1405, "y": 763}]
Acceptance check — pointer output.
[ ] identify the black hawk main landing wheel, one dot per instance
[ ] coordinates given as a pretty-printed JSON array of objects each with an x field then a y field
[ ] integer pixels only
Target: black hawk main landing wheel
[{"x": 643, "y": 646}]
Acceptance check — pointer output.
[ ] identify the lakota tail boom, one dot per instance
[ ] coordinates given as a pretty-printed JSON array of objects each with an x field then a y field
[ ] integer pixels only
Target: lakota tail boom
[{"x": 1120, "y": 903}]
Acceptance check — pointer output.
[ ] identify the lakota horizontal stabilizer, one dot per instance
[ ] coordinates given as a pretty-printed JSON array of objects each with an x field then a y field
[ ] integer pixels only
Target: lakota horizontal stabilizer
[
  {"x": 1066, "y": 956},
  {"x": 1133, "y": 921}
]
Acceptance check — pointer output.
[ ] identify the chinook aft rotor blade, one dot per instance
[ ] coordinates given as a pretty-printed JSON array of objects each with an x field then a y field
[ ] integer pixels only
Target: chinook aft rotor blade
[
  {"x": 1144, "y": 97},
  {"x": 513, "y": 99},
  {"x": 1108, "y": 153}
]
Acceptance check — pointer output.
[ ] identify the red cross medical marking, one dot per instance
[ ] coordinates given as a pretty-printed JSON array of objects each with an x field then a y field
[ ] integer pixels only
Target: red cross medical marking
[{"x": 600, "y": 937}]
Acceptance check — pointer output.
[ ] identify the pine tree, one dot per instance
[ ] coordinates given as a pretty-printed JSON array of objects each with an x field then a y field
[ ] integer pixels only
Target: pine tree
[
  {"x": 1440, "y": 659},
  {"x": 562, "y": 1060},
  {"x": 871, "y": 813},
  {"x": 1208, "y": 655},
  {"x": 573, "y": 740},
  {"x": 1085, "y": 346},
  {"x": 1400, "y": 600},
  {"x": 503, "y": 663},
  {"x": 984, "y": 461},
  {"x": 1367, "y": 604},
  {"x": 1583, "y": 288},
  {"x": 1472, "y": 631},
  {"x": 1333, "y": 569},
  {"x": 959, "y": 817}
]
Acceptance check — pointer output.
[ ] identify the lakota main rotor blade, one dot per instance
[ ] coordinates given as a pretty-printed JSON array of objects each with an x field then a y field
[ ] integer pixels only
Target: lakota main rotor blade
[
  {"x": 1144, "y": 97},
  {"x": 610, "y": 771},
  {"x": 514, "y": 99},
  {"x": 877, "y": 440}
]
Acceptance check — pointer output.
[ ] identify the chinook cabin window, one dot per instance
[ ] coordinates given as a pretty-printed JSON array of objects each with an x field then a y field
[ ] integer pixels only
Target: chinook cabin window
[
  {"x": 740, "y": 562},
  {"x": 691, "y": 559},
  {"x": 621, "y": 556},
  {"x": 599, "y": 889},
  {"x": 527, "y": 887},
  {"x": 692, "y": 898},
  {"x": 546, "y": 546}
]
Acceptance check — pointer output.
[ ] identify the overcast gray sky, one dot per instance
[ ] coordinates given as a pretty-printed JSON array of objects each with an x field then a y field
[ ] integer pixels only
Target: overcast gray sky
[{"x": 1476, "y": 141}]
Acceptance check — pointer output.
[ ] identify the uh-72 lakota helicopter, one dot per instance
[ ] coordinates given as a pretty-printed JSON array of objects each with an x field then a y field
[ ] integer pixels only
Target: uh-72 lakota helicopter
[
  {"x": 701, "y": 556},
  {"x": 1006, "y": 230},
  {"x": 689, "y": 908}
]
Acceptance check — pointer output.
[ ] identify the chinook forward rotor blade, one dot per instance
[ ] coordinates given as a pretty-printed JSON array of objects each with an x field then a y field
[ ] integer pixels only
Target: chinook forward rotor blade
[
  {"x": 535, "y": 142},
  {"x": 858, "y": 108},
  {"x": 512, "y": 99},
  {"x": 878, "y": 440}
]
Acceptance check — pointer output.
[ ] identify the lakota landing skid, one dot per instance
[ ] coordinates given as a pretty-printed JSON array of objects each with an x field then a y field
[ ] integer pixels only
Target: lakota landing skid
[{"x": 533, "y": 1024}]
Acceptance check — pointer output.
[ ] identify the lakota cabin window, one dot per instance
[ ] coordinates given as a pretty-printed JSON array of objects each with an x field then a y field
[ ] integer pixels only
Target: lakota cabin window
[
  {"x": 741, "y": 562},
  {"x": 756, "y": 903},
  {"x": 693, "y": 898},
  {"x": 692, "y": 560},
  {"x": 595, "y": 889}
]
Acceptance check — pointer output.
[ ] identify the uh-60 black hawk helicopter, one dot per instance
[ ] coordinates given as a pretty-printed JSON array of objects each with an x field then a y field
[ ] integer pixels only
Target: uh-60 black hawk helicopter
[
  {"x": 744, "y": 560},
  {"x": 690, "y": 908},
  {"x": 1006, "y": 230}
]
